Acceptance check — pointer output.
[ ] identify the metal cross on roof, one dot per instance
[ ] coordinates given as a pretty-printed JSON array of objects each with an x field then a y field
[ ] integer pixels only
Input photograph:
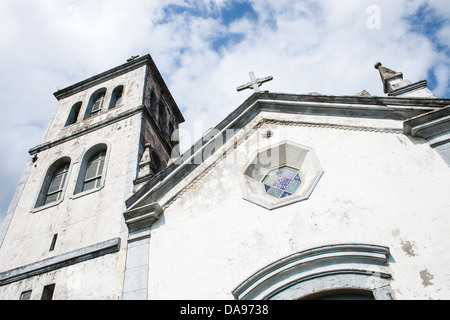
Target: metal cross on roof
[
  {"x": 132, "y": 58},
  {"x": 254, "y": 83}
]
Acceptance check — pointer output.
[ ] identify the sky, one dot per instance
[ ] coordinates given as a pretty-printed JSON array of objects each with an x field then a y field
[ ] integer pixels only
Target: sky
[{"x": 204, "y": 49}]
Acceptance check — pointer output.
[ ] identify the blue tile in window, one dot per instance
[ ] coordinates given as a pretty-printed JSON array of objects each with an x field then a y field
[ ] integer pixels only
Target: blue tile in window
[
  {"x": 293, "y": 186},
  {"x": 271, "y": 178},
  {"x": 275, "y": 192},
  {"x": 289, "y": 173},
  {"x": 282, "y": 183}
]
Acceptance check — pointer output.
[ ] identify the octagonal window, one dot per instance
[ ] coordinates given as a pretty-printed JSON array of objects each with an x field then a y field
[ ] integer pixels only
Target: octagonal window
[
  {"x": 283, "y": 182},
  {"x": 280, "y": 174}
]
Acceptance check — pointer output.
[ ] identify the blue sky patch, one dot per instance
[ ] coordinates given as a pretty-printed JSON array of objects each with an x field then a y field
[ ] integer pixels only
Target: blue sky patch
[
  {"x": 193, "y": 11},
  {"x": 226, "y": 15},
  {"x": 226, "y": 40},
  {"x": 431, "y": 80},
  {"x": 427, "y": 21},
  {"x": 233, "y": 11},
  {"x": 238, "y": 10}
]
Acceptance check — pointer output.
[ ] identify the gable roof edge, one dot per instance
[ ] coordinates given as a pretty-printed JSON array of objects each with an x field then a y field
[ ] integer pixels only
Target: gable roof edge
[{"x": 378, "y": 107}]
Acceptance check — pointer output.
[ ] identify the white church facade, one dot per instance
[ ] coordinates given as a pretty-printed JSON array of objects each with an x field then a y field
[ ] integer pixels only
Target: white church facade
[{"x": 289, "y": 197}]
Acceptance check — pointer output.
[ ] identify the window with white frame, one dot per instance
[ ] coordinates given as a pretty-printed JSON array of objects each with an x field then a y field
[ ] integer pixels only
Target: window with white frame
[
  {"x": 116, "y": 98},
  {"x": 94, "y": 171},
  {"x": 280, "y": 175},
  {"x": 56, "y": 186},
  {"x": 52, "y": 189},
  {"x": 95, "y": 104}
]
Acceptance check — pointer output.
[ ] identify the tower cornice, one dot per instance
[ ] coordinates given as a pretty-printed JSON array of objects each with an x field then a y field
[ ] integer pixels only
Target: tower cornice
[
  {"x": 89, "y": 129},
  {"x": 102, "y": 77},
  {"x": 117, "y": 71}
]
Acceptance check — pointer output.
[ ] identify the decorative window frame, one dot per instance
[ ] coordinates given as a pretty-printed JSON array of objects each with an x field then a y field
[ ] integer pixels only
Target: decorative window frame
[
  {"x": 83, "y": 167},
  {"x": 74, "y": 114},
  {"x": 348, "y": 267},
  {"x": 45, "y": 183},
  {"x": 285, "y": 153},
  {"x": 112, "y": 101},
  {"x": 88, "y": 113}
]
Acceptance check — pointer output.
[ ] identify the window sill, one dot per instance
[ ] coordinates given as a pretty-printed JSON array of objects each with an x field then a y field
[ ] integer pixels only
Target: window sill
[
  {"x": 84, "y": 193},
  {"x": 49, "y": 205}
]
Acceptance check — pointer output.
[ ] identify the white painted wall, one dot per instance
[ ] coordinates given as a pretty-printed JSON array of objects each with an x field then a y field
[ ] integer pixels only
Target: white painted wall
[
  {"x": 96, "y": 279},
  {"x": 378, "y": 188}
]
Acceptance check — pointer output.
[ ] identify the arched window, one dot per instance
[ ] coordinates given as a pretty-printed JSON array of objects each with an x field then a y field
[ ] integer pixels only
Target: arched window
[
  {"x": 54, "y": 182},
  {"x": 73, "y": 115},
  {"x": 92, "y": 170},
  {"x": 116, "y": 98},
  {"x": 153, "y": 104},
  {"x": 95, "y": 103}
]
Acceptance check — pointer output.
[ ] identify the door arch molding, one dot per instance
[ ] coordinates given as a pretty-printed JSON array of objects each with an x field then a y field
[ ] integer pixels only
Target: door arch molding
[{"x": 361, "y": 267}]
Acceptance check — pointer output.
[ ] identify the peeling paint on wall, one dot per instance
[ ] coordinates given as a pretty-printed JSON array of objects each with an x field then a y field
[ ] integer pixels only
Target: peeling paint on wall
[
  {"x": 408, "y": 247},
  {"x": 426, "y": 278}
]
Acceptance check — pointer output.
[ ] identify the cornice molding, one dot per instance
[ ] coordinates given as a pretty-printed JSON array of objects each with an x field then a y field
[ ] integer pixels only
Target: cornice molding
[
  {"x": 89, "y": 129},
  {"x": 60, "y": 261},
  {"x": 433, "y": 126},
  {"x": 102, "y": 77}
]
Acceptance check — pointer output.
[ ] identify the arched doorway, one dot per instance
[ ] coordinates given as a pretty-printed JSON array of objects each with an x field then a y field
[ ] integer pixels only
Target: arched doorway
[{"x": 333, "y": 272}]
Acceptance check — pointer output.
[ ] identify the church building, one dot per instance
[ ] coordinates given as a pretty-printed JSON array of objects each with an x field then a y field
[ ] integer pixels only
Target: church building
[{"x": 291, "y": 196}]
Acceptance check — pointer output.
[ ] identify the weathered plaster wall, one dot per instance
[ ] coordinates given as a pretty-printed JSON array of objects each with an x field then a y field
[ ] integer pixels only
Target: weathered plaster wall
[
  {"x": 379, "y": 187},
  {"x": 149, "y": 136},
  {"x": 84, "y": 219},
  {"x": 133, "y": 88},
  {"x": 163, "y": 101},
  {"x": 89, "y": 280},
  {"x": 80, "y": 221}
]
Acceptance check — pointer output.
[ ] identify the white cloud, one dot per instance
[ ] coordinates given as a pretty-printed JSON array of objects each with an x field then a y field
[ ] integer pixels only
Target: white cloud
[{"x": 322, "y": 46}]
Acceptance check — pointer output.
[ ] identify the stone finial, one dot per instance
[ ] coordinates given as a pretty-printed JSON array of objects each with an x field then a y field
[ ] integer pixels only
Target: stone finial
[
  {"x": 388, "y": 77},
  {"x": 394, "y": 85},
  {"x": 387, "y": 74}
]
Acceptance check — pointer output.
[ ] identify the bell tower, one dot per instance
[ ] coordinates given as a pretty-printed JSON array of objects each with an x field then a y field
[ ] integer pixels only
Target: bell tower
[{"x": 108, "y": 135}]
